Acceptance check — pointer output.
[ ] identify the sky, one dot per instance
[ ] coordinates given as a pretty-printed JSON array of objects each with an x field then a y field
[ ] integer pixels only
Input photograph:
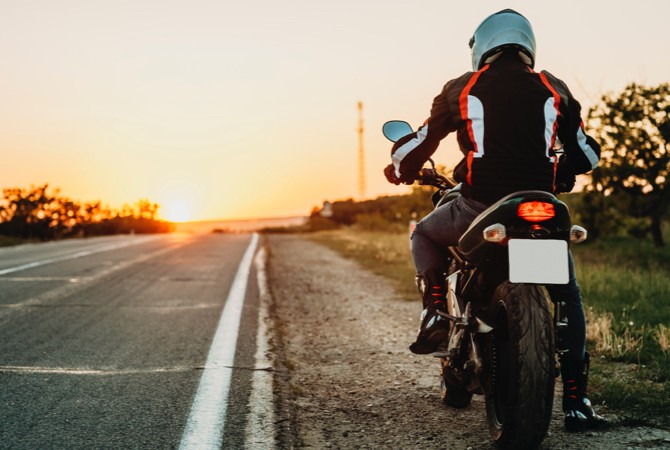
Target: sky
[{"x": 231, "y": 110}]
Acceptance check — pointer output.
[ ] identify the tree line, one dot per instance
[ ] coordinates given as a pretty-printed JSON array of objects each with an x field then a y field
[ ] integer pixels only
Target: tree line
[
  {"x": 626, "y": 195},
  {"x": 42, "y": 213}
]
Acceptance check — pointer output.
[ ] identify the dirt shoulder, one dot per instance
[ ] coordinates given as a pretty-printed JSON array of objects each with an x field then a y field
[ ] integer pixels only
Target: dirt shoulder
[{"x": 352, "y": 382}]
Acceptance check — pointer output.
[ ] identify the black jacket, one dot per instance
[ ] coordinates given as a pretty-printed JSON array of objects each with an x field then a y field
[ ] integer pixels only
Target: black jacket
[{"x": 507, "y": 118}]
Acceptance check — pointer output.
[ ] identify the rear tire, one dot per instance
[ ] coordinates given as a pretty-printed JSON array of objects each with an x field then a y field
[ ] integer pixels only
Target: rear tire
[{"x": 519, "y": 405}]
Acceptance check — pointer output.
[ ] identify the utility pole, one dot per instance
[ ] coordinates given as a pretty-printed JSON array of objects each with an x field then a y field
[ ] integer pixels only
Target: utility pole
[{"x": 361, "y": 154}]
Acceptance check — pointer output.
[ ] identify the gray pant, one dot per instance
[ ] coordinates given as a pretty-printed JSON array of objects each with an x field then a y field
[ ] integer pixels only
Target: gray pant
[
  {"x": 440, "y": 229},
  {"x": 443, "y": 228}
]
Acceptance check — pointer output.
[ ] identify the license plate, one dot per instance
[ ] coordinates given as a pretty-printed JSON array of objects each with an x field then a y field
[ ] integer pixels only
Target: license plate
[{"x": 541, "y": 261}]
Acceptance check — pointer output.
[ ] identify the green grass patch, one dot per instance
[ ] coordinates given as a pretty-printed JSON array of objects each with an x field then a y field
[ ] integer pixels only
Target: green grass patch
[
  {"x": 626, "y": 389},
  {"x": 628, "y": 282},
  {"x": 626, "y": 288}
]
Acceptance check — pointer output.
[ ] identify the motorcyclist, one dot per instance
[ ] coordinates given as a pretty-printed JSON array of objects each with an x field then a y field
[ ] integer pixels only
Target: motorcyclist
[{"x": 507, "y": 118}]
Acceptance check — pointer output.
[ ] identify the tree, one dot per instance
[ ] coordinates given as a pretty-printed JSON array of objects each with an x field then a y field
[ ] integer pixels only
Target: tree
[
  {"x": 146, "y": 209},
  {"x": 40, "y": 213},
  {"x": 634, "y": 134},
  {"x": 27, "y": 212}
]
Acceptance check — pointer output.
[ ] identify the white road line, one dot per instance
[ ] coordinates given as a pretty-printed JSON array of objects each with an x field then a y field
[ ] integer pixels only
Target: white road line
[
  {"x": 260, "y": 433},
  {"x": 33, "y": 279},
  {"x": 30, "y": 370},
  {"x": 204, "y": 427},
  {"x": 80, "y": 254},
  {"x": 69, "y": 288}
]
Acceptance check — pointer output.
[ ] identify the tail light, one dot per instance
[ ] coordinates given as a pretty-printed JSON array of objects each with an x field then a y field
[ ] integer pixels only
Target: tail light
[{"x": 536, "y": 211}]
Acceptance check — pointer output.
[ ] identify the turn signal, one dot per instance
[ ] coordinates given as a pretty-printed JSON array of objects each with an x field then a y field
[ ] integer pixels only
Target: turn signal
[
  {"x": 577, "y": 234},
  {"x": 495, "y": 233},
  {"x": 536, "y": 211}
]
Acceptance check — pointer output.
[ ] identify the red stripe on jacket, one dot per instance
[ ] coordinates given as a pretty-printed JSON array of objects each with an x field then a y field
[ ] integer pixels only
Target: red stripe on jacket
[{"x": 463, "y": 103}]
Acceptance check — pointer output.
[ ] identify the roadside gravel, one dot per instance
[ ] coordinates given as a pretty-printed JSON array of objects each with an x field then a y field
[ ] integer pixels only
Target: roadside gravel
[{"x": 347, "y": 379}]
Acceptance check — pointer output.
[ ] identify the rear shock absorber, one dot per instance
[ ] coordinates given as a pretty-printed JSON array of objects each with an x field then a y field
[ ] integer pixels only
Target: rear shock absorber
[{"x": 560, "y": 328}]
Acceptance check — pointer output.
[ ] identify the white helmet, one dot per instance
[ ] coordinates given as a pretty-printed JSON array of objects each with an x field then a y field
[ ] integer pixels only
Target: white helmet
[{"x": 506, "y": 28}]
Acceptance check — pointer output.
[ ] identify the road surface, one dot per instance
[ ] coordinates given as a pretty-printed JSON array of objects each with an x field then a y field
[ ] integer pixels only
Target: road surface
[
  {"x": 106, "y": 342},
  {"x": 160, "y": 342}
]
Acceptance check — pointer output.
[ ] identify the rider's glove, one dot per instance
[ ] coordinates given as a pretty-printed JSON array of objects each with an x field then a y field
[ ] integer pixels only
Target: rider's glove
[
  {"x": 389, "y": 171},
  {"x": 565, "y": 178}
]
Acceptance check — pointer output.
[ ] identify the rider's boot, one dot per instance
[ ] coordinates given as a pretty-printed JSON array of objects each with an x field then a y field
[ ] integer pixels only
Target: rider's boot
[
  {"x": 579, "y": 414},
  {"x": 434, "y": 329}
]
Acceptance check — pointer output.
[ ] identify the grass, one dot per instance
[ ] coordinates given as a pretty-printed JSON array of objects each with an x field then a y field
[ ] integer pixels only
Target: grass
[
  {"x": 626, "y": 288},
  {"x": 626, "y": 284}
]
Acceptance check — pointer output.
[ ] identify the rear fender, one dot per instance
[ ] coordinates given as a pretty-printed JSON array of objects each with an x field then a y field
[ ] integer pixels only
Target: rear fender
[{"x": 475, "y": 249}]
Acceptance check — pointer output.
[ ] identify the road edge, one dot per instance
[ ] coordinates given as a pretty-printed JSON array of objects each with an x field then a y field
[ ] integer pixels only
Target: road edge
[{"x": 285, "y": 410}]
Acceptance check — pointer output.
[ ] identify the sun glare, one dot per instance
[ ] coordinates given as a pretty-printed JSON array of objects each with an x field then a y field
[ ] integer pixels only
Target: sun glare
[{"x": 176, "y": 211}]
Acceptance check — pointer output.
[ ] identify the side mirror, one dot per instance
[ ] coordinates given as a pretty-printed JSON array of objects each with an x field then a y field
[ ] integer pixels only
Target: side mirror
[{"x": 396, "y": 129}]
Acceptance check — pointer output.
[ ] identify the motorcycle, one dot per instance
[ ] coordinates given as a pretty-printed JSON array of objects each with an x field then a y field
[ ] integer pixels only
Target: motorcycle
[{"x": 504, "y": 339}]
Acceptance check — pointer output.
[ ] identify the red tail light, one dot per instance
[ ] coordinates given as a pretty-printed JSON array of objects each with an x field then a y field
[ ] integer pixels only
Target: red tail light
[{"x": 536, "y": 211}]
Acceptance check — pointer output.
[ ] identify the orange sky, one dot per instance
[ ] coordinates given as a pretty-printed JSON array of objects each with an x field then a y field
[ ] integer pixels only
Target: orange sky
[{"x": 222, "y": 109}]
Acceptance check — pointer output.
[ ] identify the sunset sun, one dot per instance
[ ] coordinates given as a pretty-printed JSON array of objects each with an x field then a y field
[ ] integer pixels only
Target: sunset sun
[{"x": 176, "y": 211}]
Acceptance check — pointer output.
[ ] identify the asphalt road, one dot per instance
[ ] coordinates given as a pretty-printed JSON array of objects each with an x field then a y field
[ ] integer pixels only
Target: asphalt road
[{"x": 103, "y": 342}]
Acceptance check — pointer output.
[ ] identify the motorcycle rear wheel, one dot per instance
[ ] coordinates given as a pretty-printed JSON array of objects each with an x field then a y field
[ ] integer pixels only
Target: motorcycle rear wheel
[{"x": 519, "y": 407}]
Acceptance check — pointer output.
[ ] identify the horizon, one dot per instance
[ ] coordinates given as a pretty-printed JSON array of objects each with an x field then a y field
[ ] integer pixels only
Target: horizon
[{"x": 247, "y": 219}]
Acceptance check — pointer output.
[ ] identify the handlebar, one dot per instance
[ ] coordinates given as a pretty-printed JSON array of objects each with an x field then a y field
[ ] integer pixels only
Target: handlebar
[{"x": 431, "y": 177}]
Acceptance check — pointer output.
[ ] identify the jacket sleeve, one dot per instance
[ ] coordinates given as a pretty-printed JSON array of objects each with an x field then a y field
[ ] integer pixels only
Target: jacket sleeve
[
  {"x": 411, "y": 152},
  {"x": 582, "y": 152}
]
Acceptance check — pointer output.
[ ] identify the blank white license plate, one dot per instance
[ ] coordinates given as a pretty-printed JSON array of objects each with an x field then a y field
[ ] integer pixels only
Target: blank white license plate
[{"x": 538, "y": 261}]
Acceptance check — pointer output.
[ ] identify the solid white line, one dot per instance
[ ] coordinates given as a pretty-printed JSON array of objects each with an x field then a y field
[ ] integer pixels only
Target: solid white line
[
  {"x": 73, "y": 255},
  {"x": 260, "y": 433},
  {"x": 204, "y": 427},
  {"x": 29, "y": 370}
]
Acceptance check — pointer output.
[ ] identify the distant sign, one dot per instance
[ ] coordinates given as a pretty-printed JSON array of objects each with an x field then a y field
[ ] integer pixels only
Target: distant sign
[{"x": 327, "y": 210}]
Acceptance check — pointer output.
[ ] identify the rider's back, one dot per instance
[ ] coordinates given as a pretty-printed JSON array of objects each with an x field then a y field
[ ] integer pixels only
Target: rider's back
[{"x": 505, "y": 117}]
